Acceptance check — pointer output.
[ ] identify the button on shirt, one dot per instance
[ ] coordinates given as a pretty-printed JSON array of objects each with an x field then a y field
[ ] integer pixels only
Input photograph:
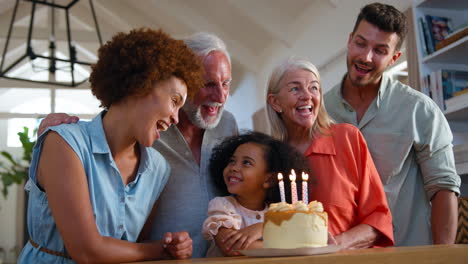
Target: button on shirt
[
  {"x": 411, "y": 144},
  {"x": 183, "y": 204},
  {"x": 120, "y": 211}
]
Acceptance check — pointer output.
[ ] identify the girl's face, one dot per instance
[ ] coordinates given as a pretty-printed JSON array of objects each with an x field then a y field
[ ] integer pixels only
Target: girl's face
[{"x": 246, "y": 172}]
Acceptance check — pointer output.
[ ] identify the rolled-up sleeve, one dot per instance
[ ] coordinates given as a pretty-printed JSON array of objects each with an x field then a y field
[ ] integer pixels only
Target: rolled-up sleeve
[
  {"x": 434, "y": 152},
  {"x": 221, "y": 213}
]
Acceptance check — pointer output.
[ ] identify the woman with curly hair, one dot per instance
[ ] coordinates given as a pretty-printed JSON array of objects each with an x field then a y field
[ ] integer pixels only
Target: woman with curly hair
[
  {"x": 246, "y": 167},
  {"x": 92, "y": 185}
]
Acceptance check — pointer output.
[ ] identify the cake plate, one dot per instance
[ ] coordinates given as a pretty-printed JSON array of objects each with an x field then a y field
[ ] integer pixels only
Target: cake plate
[{"x": 282, "y": 252}]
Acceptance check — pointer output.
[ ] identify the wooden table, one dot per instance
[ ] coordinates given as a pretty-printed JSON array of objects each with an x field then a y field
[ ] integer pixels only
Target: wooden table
[{"x": 447, "y": 254}]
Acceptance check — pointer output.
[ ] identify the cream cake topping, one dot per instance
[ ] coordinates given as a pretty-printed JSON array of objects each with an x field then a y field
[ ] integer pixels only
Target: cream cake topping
[{"x": 313, "y": 206}]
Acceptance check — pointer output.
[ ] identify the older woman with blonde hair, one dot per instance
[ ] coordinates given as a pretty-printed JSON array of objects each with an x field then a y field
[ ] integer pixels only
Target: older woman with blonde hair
[{"x": 344, "y": 175}]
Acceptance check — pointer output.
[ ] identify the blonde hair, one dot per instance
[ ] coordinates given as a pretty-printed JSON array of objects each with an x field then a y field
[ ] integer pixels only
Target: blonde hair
[{"x": 278, "y": 129}]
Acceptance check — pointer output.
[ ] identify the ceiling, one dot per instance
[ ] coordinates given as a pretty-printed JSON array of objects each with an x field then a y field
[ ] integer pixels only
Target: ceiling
[{"x": 255, "y": 31}]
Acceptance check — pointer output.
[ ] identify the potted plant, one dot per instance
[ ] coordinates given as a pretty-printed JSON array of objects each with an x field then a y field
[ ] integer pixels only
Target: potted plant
[{"x": 16, "y": 171}]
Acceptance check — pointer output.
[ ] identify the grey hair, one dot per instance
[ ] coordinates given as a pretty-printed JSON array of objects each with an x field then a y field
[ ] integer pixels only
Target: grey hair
[
  {"x": 202, "y": 43},
  {"x": 278, "y": 129}
]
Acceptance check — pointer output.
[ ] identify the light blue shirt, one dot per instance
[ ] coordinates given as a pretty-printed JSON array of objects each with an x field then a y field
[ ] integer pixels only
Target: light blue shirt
[
  {"x": 120, "y": 211},
  {"x": 183, "y": 205},
  {"x": 411, "y": 144}
]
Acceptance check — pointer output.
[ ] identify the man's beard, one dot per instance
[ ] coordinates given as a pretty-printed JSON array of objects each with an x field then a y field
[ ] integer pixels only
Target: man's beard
[{"x": 194, "y": 114}]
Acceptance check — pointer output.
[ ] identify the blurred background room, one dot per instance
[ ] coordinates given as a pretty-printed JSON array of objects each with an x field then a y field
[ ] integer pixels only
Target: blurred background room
[{"x": 38, "y": 75}]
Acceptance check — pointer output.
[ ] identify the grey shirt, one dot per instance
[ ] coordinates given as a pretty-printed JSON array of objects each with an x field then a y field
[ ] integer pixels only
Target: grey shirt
[
  {"x": 411, "y": 144},
  {"x": 183, "y": 204}
]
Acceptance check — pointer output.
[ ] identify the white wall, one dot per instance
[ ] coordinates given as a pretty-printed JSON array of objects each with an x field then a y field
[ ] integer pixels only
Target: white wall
[
  {"x": 242, "y": 104},
  {"x": 9, "y": 223}
]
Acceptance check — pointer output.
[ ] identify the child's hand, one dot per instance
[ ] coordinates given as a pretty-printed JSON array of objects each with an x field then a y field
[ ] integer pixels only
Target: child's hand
[
  {"x": 178, "y": 244},
  {"x": 220, "y": 238},
  {"x": 243, "y": 238}
]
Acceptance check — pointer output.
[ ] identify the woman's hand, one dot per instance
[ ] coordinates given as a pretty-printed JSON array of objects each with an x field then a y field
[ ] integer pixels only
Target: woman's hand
[
  {"x": 178, "y": 245},
  {"x": 331, "y": 239},
  {"x": 360, "y": 236}
]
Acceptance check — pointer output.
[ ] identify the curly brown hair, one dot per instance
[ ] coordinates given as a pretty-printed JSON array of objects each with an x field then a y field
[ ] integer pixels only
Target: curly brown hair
[
  {"x": 131, "y": 63},
  {"x": 278, "y": 155}
]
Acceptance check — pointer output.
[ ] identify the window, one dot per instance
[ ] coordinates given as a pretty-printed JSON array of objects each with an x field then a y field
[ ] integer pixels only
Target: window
[
  {"x": 16, "y": 125},
  {"x": 76, "y": 102},
  {"x": 26, "y": 106},
  {"x": 39, "y": 102}
]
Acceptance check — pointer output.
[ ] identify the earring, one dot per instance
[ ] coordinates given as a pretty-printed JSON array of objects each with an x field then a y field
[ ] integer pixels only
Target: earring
[{"x": 280, "y": 111}]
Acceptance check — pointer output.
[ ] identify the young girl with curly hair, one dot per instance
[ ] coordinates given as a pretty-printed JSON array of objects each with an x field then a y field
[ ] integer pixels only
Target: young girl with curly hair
[
  {"x": 92, "y": 185},
  {"x": 246, "y": 167}
]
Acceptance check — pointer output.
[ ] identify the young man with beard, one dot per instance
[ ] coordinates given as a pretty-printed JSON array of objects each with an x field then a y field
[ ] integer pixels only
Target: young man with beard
[
  {"x": 203, "y": 123},
  {"x": 408, "y": 136}
]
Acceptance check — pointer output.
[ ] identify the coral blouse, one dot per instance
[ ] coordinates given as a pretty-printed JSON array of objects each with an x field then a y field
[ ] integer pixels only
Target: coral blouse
[{"x": 345, "y": 180}]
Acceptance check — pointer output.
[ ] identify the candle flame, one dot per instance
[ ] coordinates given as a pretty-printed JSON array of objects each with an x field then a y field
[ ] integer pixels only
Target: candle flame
[
  {"x": 292, "y": 176},
  {"x": 305, "y": 176},
  {"x": 280, "y": 176}
]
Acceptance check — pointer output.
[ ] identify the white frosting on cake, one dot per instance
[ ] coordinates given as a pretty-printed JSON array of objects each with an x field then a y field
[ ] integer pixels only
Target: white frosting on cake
[{"x": 294, "y": 226}]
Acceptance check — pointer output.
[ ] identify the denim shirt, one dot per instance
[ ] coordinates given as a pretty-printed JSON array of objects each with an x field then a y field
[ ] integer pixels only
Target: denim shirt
[{"x": 120, "y": 211}]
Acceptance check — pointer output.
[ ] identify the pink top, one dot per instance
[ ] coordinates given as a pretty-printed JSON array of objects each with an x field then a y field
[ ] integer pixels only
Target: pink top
[{"x": 227, "y": 212}]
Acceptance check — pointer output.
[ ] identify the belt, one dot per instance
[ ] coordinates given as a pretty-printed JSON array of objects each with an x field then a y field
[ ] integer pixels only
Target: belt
[{"x": 49, "y": 251}]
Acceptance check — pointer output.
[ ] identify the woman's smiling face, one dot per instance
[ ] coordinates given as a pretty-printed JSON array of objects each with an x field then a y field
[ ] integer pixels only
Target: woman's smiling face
[{"x": 298, "y": 99}]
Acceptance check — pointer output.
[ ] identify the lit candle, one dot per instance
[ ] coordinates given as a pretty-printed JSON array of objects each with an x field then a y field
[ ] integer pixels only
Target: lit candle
[
  {"x": 292, "y": 177},
  {"x": 305, "y": 192},
  {"x": 281, "y": 187}
]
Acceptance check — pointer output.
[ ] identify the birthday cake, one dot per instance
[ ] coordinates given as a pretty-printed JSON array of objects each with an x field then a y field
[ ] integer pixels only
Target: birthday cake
[{"x": 295, "y": 225}]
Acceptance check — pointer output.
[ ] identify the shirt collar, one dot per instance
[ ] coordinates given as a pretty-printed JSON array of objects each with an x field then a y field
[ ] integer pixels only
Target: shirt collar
[
  {"x": 339, "y": 94},
  {"x": 98, "y": 137},
  {"x": 145, "y": 159},
  {"x": 99, "y": 143},
  {"x": 322, "y": 144},
  {"x": 383, "y": 89}
]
